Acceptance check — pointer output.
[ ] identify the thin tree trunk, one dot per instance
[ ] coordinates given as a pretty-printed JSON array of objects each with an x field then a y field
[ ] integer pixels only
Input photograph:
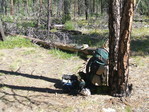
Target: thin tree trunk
[
  {"x": 2, "y": 6},
  {"x": 5, "y": 4},
  {"x": 67, "y": 16},
  {"x": 75, "y": 9},
  {"x": 93, "y": 6},
  {"x": 27, "y": 10},
  {"x": 101, "y": 6},
  {"x": 12, "y": 7},
  {"x": 2, "y": 36},
  {"x": 60, "y": 3},
  {"x": 39, "y": 15},
  {"x": 86, "y": 9},
  {"x": 49, "y": 17}
]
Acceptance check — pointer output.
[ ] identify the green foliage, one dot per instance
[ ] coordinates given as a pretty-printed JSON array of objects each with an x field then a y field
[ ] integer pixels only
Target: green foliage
[
  {"x": 143, "y": 7},
  {"x": 8, "y": 18},
  {"x": 82, "y": 23},
  {"x": 66, "y": 18},
  {"x": 15, "y": 41},
  {"x": 61, "y": 54},
  {"x": 69, "y": 25},
  {"x": 28, "y": 24},
  {"x": 54, "y": 30}
]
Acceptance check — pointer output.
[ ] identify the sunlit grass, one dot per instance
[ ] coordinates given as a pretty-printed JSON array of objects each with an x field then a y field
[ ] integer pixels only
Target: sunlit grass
[
  {"x": 15, "y": 42},
  {"x": 138, "y": 33},
  {"x": 62, "y": 54}
]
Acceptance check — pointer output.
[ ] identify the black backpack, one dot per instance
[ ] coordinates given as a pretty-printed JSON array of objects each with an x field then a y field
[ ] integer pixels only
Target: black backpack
[{"x": 69, "y": 83}]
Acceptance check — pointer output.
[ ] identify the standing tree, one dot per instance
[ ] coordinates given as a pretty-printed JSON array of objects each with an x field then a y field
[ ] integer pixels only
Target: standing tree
[
  {"x": 86, "y": 9},
  {"x": 66, "y": 16},
  {"x": 12, "y": 7},
  {"x": 120, "y": 23},
  {"x": 1, "y": 31},
  {"x": 49, "y": 17}
]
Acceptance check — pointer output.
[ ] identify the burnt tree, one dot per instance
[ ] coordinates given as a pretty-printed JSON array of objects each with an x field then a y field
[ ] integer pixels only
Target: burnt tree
[{"x": 120, "y": 22}]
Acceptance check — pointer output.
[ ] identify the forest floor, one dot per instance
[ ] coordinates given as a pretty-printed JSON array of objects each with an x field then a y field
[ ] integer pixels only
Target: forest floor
[{"x": 29, "y": 79}]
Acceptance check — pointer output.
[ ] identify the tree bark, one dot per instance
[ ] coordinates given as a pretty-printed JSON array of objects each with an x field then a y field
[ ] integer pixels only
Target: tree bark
[
  {"x": 49, "y": 17},
  {"x": 2, "y": 36},
  {"x": 114, "y": 35},
  {"x": 124, "y": 45},
  {"x": 12, "y": 7},
  {"x": 86, "y": 9},
  {"x": 120, "y": 22},
  {"x": 66, "y": 16}
]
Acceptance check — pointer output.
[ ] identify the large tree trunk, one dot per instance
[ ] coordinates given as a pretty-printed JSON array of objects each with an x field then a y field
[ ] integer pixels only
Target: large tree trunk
[
  {"x": 124, "y": 45},
  {"x": 120, "y": 22},
  {"x": 114, "y": 35}
]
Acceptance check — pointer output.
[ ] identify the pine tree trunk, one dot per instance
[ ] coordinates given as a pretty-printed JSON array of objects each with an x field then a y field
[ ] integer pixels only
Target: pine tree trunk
[
  {"x": 2, "y": 36},
  {"x": 66, "y": 15},
  {"x": 86, "y": 9},
  {"x": 120, "y": 22},
  {"x": 114, "y": 35},
  {"x": 49, "y": 17},
  {"x": 124, "y": 46},
  {"x": 59, "y": 9},
  {"x": 11, "y": 8}
]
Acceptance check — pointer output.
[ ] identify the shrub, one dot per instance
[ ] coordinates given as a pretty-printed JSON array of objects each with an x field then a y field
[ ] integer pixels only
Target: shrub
[{"x": 69, "y": 25}]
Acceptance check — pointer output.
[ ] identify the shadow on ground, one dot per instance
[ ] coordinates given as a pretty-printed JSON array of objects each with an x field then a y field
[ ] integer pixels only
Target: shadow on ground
[
  {"x": 47, "y": 90},
  {"x": 140, "y": 47}
]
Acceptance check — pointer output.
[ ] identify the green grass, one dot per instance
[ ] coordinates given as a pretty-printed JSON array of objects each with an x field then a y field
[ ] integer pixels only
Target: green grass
[
  {"x": 61, "y": 54},
  {"x": 28, "y": 52},
  {"x": 128, "y": 109},
  {"x": 1, "y": 74},
  {"x": 15, "y": 42},
  {"x": 92, "y": 37},
  {"x": 140, "y": 41},
  {"x": 138, "y": 33},
  {"x": 69, "y": 25}
]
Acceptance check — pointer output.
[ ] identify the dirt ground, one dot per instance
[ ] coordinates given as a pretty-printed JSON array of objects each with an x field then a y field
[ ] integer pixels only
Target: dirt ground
[{"x": 29, "y": 79}]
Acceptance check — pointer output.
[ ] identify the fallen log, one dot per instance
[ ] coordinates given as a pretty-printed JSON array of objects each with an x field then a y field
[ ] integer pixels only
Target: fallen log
[{"x": 73, "y": 48}]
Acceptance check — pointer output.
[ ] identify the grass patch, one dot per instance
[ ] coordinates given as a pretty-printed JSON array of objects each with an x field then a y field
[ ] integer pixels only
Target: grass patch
[
  {"x": 15, "y": 42},
  {"x": 68, "y": 109},
  {"x": 140, "y": 41},
  {"x": 69, "y": 25},
  {"x": 128, "y": 109},
  {"x": 92, "y": 38},
  {"x": 29, "y": 52},
  {"x": 139, "y": 33},
  {"x": 1, "y": 74},
  {"x": 138, "y": 60},
  {"x": 61, "y": 54},
  {"x": 15, "y": 65}
]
